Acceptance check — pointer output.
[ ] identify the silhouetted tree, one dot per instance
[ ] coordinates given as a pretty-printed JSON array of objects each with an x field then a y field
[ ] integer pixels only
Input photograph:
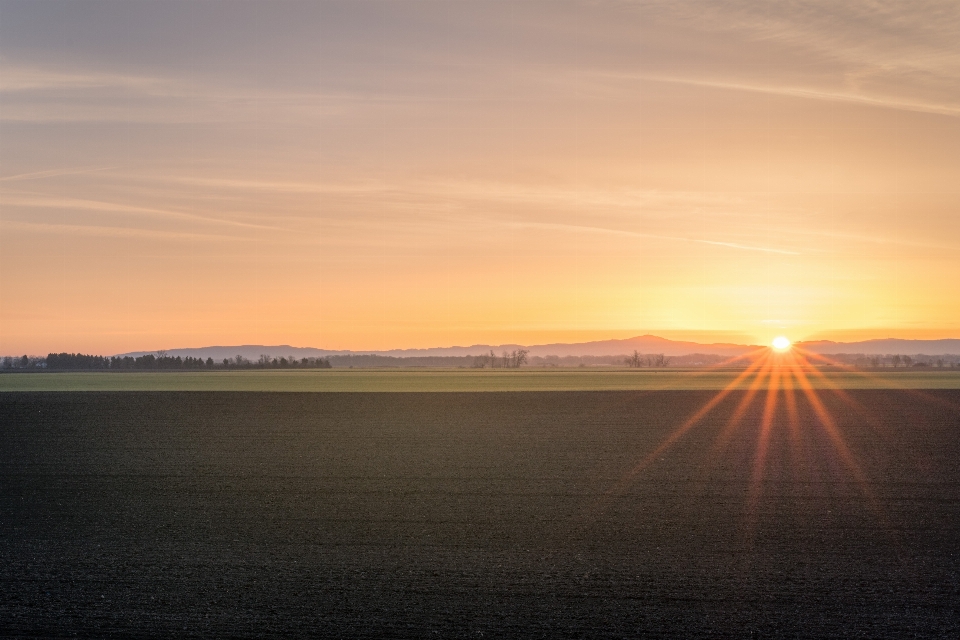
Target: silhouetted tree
[
  {"x": 520, "y": 357},
  {"x": 61, "y": 361}
]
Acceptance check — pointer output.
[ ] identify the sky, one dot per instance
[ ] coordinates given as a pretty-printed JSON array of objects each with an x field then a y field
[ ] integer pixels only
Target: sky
[{"x": 411, "y": 173}]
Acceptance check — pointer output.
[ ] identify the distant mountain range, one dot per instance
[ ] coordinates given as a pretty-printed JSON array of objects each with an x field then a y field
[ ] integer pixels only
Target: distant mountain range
[
  {"x": 643, "y": 344},
  {"x": 886, "y": 346}
]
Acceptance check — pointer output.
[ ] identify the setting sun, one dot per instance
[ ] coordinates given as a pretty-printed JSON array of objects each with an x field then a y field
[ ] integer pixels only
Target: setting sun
[{"x": 781, "y": 343}]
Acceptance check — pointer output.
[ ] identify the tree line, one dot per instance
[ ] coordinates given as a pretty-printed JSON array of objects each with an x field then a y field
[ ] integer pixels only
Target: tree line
[
  {"x": 25, "y": 362},
  {"x": 896, "y": 361},
  {"x": 363, "y": 360},
  {"x": 163, "y": 362},
  {"x": 638, "y": 360},
  {"x": 511, "y": 360}
]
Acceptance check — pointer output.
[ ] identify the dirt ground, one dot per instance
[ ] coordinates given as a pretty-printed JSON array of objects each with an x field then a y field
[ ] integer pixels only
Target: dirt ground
[{"x": 530, "y": 514}]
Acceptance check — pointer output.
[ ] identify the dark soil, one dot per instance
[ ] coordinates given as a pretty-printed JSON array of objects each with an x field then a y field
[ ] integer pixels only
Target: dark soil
[{"x": 476, "y": 515}]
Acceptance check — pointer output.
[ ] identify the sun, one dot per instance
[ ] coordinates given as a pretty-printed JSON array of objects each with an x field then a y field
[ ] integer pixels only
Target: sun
[{"x": 780, "y": 343}]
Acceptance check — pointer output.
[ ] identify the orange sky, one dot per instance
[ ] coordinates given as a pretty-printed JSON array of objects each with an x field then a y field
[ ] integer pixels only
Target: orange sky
[{"x": 374, "y": 175}]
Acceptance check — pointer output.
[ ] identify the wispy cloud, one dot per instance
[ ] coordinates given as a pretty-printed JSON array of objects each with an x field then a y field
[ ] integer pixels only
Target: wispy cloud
[
  {"x": 816, "y": 94},
  {"x": 516, "y": 192},
  {"x": 428, "y": 207},
  {"x": 878, "y": 52},
  {"x": 52, "y": 173},
  {"x": 870, "y": 239},
  {"x": 637, "y": 234},
  {"x": 21, "y": 78},
  {"x": 65, "y": 94},
  {"x": 114, "y": 232},
  {"x": 40, "y": 201}
]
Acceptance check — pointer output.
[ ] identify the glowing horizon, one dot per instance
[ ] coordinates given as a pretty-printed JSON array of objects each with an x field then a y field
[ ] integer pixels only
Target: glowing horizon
[{"x": 374, "y": 175}]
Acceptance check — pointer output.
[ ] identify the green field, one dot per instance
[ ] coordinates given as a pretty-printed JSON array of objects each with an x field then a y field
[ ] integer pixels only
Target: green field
[{"x": 453, "y": 380}]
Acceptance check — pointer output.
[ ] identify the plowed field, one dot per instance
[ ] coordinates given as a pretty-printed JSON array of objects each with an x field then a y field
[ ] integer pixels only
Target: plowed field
[{"x": 528, "y": 514}]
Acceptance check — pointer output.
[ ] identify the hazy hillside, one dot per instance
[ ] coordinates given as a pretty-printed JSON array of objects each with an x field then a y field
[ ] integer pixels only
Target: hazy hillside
[
  {"x": 885, "y": 346},
  {"x": 248, "y": 351},
  {"x": 643, "y": 344}
]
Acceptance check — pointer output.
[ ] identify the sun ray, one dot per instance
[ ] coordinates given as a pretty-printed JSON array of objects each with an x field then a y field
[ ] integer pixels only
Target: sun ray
[
  {"x": 793, "y": 421},
  {"x": 828, "y": 383},
  {"x": 880, "y": 382},
  {"x": 678, "y": 433},
  {"x": 729, "y": 429},
  {"x": 850, "y": 401},
  {"x": 830, "y": 426},
  {"x": 861, "y": 410},
  {"x": 750, "y": 358},
  {"x": 766, "y": 422},
  {"x": 763, "y": 443},
  {"x": 846, "y": 455},
  {"x": 787, "y": 372}
]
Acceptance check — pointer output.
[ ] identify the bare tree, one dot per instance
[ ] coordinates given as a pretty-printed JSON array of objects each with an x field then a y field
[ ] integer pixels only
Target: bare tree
[
  {"x": 519, "y": 357},
  {"x": 636, "y": 360},
  {"x": 657, "y": 360},
  {"x": 896, "y": 361}
]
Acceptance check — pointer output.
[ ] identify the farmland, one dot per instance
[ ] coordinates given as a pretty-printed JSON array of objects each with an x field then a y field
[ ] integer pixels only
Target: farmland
[
  {"x": 462, "y": 380},
  {"x": 539, "y": 514}
]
